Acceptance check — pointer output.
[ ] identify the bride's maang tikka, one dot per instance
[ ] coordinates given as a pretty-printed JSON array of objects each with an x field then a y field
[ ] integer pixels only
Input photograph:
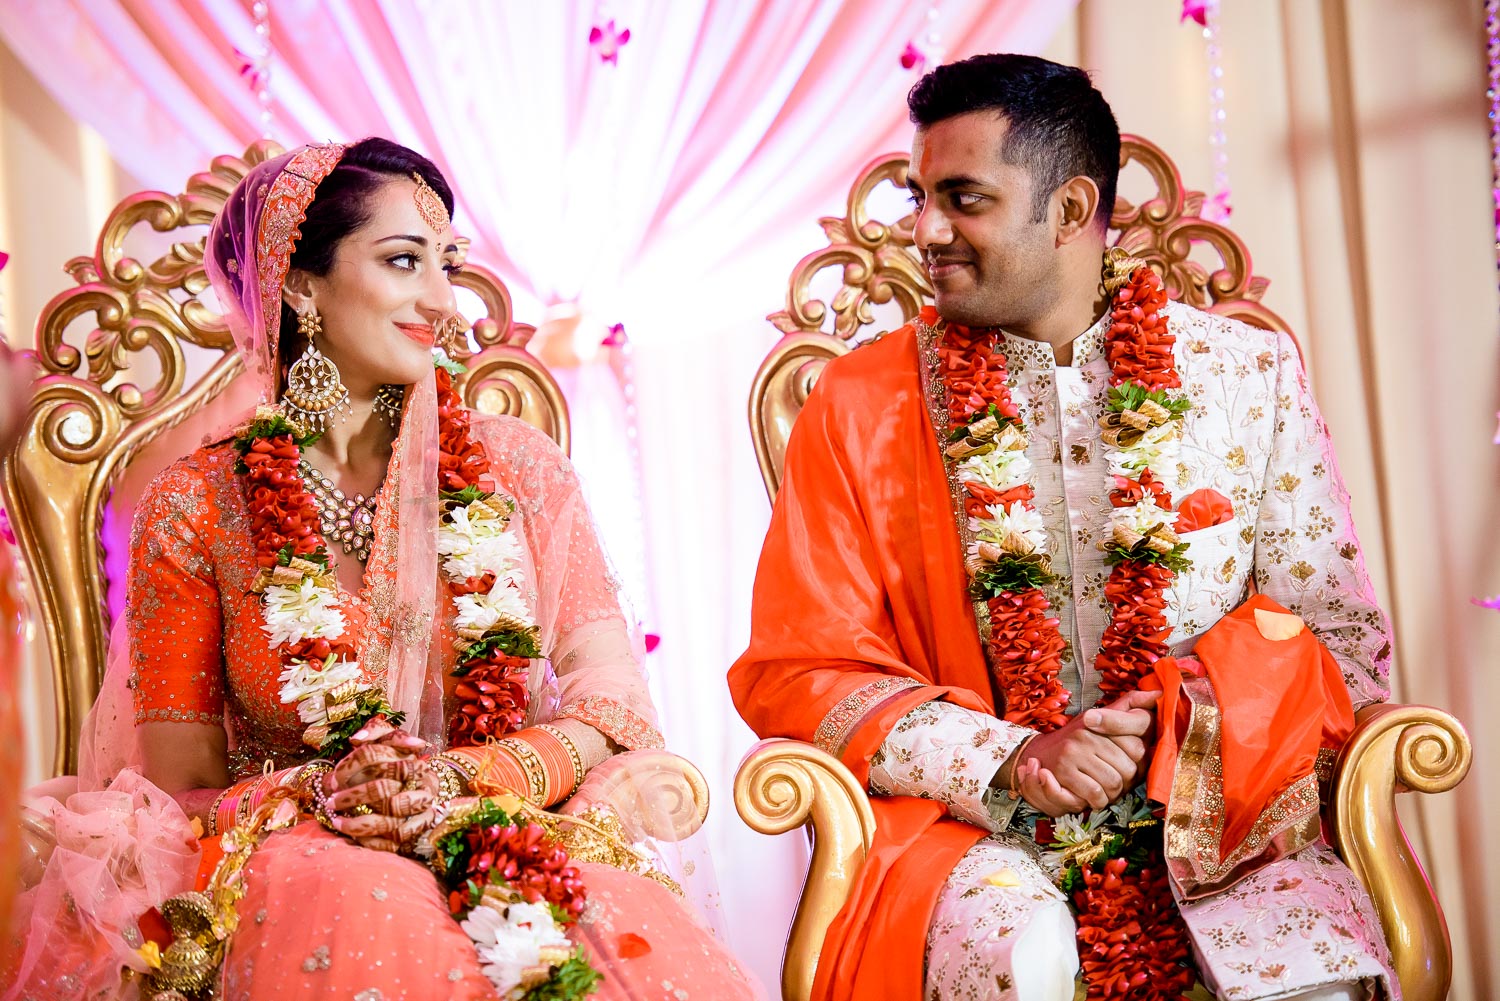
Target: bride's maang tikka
[{"x": 430, "y": 204}]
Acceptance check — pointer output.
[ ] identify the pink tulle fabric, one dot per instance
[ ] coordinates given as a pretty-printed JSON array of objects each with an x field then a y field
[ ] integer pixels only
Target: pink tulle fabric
[{"x": 323, "y": 917}]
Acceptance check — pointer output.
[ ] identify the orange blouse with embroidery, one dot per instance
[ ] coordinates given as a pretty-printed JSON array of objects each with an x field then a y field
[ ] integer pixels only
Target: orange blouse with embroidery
[{"x": 199, "y": 652}]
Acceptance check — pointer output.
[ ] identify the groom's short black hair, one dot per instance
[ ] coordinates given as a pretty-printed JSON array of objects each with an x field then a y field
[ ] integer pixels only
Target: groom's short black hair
[{"x": 1060, "y": 126}]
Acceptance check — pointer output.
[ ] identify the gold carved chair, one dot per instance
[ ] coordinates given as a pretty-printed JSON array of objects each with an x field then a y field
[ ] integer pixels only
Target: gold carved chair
[
  {"x": 157, "y": 354},
  {"x": 785, "y": 784}
]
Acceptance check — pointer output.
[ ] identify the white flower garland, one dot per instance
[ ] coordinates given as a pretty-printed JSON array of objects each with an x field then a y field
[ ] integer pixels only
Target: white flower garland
[
  {"x": 518, "y": 943},
  {"x": 474, "y": 540},
  {"x": 1020, "y": 530}
]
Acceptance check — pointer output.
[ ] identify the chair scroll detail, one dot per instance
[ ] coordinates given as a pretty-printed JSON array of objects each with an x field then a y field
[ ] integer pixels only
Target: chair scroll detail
[
  {"x": 1413, "y": 746},
  {"x": 1426, "y": 750},
  {"x": 782, "y": 785},
  {"x": 157, "y": 354}
]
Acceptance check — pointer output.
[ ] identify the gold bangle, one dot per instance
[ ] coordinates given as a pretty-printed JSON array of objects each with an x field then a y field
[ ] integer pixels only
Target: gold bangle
[
  {"x": 572, "y": 749},
  {"x": 450, "y": 781},
  {"x": 213, "y": 811},
  {"x": 465, "y": 769},
  {"x": 531, "y": 764},
  {"x": 1014, "y": 789}
]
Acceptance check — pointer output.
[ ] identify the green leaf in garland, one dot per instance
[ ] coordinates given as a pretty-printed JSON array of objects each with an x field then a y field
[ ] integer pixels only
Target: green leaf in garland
[
  {"x": 525, "y": 645},
  {"x": 1175, "y": 561},
  {"x": 461, "y": 498},
  {"x": 573, "y": 979},
  {"x": 444, "y": 361},
  {"x": 369, "y": 705},
  {"x": 1009, "y": 575},
  {"x": 1131, "y": 395}
]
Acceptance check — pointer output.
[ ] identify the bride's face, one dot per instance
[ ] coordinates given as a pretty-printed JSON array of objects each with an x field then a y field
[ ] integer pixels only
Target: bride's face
[{"x": 386, "y": 292}]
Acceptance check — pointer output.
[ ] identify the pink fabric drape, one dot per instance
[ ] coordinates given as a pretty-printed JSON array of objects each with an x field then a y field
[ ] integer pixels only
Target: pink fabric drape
[{"x": 723, "y": 121}]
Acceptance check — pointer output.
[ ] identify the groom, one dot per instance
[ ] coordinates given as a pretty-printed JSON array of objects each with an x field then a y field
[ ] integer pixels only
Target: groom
[{"x": 975, "y": 569}]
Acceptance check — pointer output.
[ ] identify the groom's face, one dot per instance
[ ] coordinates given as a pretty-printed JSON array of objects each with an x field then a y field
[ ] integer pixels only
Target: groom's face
[{"x": 991, "y": 264}]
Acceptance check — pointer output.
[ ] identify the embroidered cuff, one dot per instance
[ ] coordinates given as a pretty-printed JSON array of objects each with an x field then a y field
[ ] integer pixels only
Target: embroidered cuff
[
  {"x": 624, "y": 727},
  {"x": 949, "y": 754}
]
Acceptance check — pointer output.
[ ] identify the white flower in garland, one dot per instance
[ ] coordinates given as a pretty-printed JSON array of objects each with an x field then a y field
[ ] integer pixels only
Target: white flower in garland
[
  {"x": 1157, "y": 450},
  {"x": 511, "y": 943},
  {"x": 1142, "y": 516},
  {"x": 476, "y": 541},
  {"x": 1002, "y": 469},
  {"x": 306, "y": 611},
  {"x": 484, "y": 611},
  {"x": 1020, "y": 520},
  {"x": 303, "y": 678}
]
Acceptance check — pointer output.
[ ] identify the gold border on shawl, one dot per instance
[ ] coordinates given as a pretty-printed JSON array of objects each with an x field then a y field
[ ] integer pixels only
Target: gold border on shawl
[
  {"x": 1195, "y": 814},
  {"x": 838, "y": 726},
  {"x": 935, "y": 391}
]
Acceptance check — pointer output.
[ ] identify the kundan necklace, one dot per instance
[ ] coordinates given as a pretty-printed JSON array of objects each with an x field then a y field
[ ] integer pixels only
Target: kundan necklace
[
  {"x": 349, "y": 521},
  {"x": 482, "y": 567},
  {"x": 1008, "y": 566}
]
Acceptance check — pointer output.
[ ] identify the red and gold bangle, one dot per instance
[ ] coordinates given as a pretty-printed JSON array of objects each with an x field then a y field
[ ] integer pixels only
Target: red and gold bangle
[
  {"x": 227, "y": 806},
  {"x": 489, "y": 770},
  {"x": 531, "y": 764},
  {"x": 213, "y": 811},
  {"x": 561, "y": 757}
]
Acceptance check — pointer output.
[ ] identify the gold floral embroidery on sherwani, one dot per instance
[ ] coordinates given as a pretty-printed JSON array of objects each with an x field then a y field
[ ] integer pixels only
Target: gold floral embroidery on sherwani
[{"x": 1254, "y": 434}]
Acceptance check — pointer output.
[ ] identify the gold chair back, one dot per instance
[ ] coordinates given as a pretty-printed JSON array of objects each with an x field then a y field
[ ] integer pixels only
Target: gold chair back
[
  {"x": 93, "y": 411},
  {"x": 880, "y": 267}
]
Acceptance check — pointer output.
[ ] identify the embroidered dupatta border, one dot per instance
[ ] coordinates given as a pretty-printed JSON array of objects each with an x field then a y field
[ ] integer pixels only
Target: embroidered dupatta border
[
  {"x": 936, "y": 394},
  {"x": 625, "y": 727},
  {"x": 1195, "y": 815},
  {"x": 843, "y": 719}
]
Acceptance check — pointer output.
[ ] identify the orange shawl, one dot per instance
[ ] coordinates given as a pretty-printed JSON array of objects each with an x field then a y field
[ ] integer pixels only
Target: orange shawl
[{"x": 860, "y": 614}]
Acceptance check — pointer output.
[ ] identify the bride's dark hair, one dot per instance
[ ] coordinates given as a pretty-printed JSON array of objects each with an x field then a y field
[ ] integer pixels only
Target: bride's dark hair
[{"x": 342, "y": 205}]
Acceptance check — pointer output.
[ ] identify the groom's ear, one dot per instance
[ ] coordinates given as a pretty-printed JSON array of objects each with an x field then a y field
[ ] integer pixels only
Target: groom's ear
[{"x": 1076, "y": 203}]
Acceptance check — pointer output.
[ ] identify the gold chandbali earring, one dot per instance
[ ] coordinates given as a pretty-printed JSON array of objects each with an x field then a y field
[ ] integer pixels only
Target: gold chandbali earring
[
  {"x": 314, "y": 394},
  {"x": 389, "y": 399}
]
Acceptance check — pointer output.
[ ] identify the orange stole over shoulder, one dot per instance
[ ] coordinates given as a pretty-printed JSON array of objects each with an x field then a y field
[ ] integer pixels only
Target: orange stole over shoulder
[
  {"x": 1242, "y": 724},
  {"x": 860, "y": 614}
]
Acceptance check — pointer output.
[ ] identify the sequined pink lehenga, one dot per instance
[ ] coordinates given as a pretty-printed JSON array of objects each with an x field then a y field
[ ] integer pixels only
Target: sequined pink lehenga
[{"x": 323, "y": 917}]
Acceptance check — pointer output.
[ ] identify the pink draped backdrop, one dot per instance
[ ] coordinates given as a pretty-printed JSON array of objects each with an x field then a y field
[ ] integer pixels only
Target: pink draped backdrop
[{"x": 672, "y": 192}]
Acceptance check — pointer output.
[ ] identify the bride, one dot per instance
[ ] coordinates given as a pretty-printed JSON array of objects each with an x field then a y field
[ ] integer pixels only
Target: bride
[{"x": 369, "y": 601}]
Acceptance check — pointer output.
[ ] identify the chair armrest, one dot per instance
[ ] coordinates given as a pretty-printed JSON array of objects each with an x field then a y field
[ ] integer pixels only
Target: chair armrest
[
  {"x": 1395, "y": 746},
  {"x": 656, "y": 794},
  {"x": 782, "y": 784}
]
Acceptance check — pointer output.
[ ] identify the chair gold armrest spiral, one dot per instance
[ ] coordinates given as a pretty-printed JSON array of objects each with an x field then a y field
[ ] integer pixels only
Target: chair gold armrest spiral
[
  {"x": 1426, "y": 750},
  {"x": 782, "y": 784}
]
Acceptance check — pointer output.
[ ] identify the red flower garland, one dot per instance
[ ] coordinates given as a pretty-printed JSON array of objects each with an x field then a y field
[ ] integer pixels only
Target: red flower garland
[
  {"x": 492, "y": 694},
  {"x": 1138, "y": 348},
  {"x": 529, "y": 860},
  {"x": 1025, "y": 643},
  {"x": 1132, "y": 940},
  {"x": 284, "y": 516}
]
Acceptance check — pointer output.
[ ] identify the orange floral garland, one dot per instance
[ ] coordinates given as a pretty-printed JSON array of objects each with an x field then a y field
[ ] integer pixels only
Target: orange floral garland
[
  {"x": 284, "y": 522},
  {"x": 491, "y": 694},
  {"x": 1131, "y": 938},
  {"x": 1025, "y": 645}
]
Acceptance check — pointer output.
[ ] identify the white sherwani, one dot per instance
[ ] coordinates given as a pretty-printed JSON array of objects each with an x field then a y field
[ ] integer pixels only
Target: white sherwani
[{"x": 1254, "y": 434}]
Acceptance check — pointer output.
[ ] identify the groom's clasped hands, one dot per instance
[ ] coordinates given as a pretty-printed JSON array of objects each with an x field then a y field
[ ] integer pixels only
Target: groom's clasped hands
[{"x": 1088, "y": 763}]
